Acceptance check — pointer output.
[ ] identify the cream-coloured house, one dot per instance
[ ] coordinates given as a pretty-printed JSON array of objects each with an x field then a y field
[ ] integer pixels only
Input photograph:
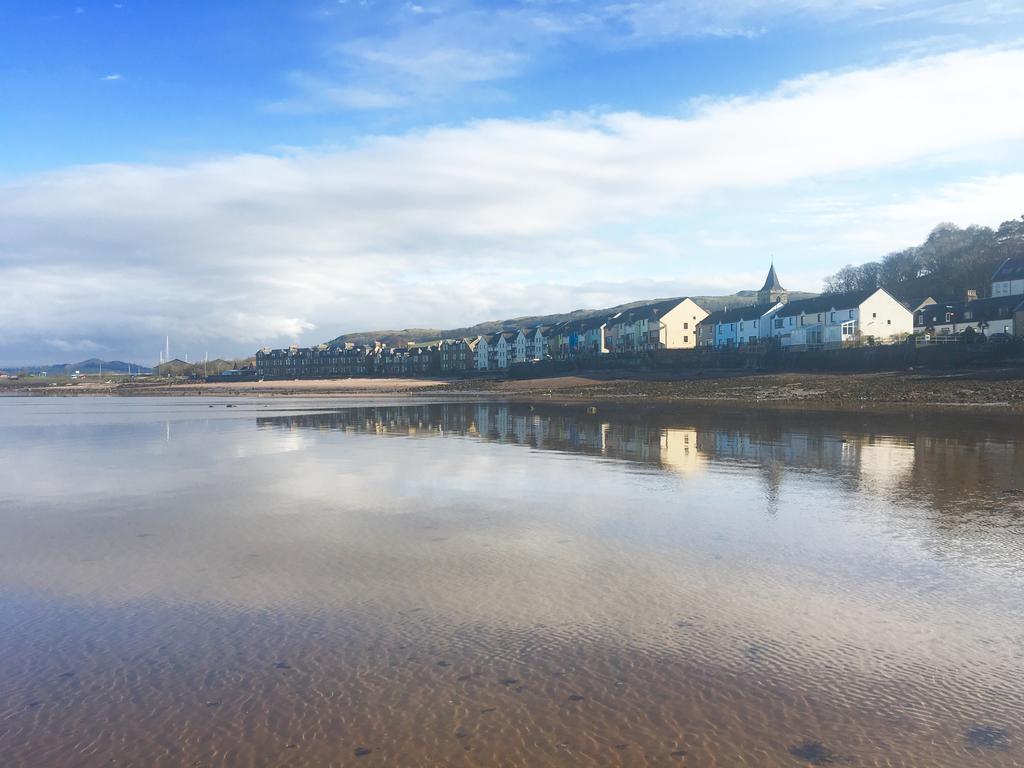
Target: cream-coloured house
[
  {"x": 836, "y": 318},
  {"x": 669, "y": 324}
]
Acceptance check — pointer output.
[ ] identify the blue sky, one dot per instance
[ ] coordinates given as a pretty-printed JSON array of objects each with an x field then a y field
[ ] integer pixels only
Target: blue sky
[{"x": 238, "y": 174}]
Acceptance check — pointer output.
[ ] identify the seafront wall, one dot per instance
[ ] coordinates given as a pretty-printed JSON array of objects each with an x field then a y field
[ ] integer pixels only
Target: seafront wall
[{"x": 894, "y": 357}]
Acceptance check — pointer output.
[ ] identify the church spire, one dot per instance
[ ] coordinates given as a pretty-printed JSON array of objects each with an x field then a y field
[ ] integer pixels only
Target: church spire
[{"x": 772, "y": 290}]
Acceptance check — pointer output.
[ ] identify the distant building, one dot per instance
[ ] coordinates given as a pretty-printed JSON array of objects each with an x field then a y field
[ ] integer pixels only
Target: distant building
[
  {"x": 772, "y": 291},
  {"x": 839, "y": 318},
  {"x": 670, "y": 324},
  {"x": 739, "y": 327},
  {"x": 457, "y": 355},
  {"x": 985, "y": 316},
  {"x": 1009, "y": 278}
]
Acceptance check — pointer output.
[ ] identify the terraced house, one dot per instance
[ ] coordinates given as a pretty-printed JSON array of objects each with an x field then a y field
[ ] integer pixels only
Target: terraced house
[
  {"x": 669, "y": 324},
  {"x": 832, "y": 319}
]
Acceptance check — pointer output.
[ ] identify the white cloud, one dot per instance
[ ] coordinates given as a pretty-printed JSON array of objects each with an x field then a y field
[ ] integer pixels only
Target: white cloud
[
  {"x": 113, "y": 76},
  {"x": 457, "y": 224},
  {"x": 418, "y": 53}
]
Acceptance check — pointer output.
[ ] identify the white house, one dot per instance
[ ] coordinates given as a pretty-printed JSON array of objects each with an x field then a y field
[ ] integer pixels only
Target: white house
[
  {"x": 670, "y": 324},
  {"x": 536, "y": 343},
  {"x": 837, "y": 318},
  {"x": 482, "y": 353},
  {"x": 520, "y": 346},
  {"x": 1009, "y": 278},
  {"x": 501, "y": 349},
  {"x": 742, "y": 326}
]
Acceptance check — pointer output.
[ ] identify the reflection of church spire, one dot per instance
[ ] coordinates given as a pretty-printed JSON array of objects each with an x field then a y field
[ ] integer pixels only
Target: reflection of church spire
[{"x": 771, "y": 473}]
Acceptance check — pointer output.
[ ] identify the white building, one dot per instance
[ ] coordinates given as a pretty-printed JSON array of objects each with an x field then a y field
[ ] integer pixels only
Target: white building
[
  {"x": 739, "y": 327},
  {"x": 536, "y": 343},
  {"x": 482, "y": 353},
  {"x": 521, "y": 346},
  {"x": 838, "y": 318},
  {"x": 670, "y": 324},
  {"x": 501, "y": 350},
  {"x": 1009, "y": 278}
]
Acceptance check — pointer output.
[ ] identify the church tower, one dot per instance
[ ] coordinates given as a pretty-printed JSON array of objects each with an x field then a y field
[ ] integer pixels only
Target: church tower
[{"x": 772, "y": 290}]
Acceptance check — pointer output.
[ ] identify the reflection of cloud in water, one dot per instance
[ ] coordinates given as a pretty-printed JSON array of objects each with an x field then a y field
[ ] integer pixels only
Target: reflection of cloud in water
[{"x": 627, "y": 534}]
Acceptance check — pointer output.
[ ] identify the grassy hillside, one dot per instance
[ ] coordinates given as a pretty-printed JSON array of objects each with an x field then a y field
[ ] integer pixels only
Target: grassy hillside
[
  {"x": 418, "y": 335},
  {"x": 199, "y": 369}
]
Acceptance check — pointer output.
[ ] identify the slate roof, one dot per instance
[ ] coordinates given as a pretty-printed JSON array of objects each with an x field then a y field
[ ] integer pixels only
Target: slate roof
[
  {"x": 997, "y": 308},
  {"x": 826, "y": 302},
  {"x": 749, "y": 312},
  {"x": 771, "y": 282},
  {"x": 652, "y": 311},
  {"x": 1011, "y": 269}
]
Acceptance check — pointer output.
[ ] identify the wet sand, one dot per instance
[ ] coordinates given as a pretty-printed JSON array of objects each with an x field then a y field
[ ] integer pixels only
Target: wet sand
[{"x": 304, "y": 583}]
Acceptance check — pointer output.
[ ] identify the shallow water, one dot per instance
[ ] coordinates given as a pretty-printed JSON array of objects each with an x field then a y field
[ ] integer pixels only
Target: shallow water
[{"x": 307, "y": 582}]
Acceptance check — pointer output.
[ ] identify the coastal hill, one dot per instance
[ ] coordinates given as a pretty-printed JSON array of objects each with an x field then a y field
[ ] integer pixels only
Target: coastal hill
[
  {"x": 92, "y": 365},
  {"x": 420, "y": 335}
]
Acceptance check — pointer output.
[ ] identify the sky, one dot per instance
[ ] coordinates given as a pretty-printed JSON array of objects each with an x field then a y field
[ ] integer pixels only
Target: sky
[{"x": 235, "y": 175}]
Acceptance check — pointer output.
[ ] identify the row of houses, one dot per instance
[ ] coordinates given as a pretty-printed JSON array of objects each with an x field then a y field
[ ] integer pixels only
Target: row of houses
[{"x": 829, "y": 320}]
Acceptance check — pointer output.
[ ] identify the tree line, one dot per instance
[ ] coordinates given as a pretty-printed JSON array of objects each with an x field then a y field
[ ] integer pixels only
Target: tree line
[{"x": 945, "y": 266}]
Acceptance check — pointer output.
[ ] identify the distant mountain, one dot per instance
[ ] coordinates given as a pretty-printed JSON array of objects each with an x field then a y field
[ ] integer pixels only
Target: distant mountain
[
  {"x": 418, "y": 335},
  {"x": 93, "y": 365}
]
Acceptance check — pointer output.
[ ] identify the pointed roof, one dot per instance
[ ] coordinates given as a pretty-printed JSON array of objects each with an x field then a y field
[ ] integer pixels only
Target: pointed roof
[{"x": 771, "y": 283}]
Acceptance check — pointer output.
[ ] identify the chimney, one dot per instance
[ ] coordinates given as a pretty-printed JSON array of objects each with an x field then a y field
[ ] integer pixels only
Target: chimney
[{"x": 972, "y": 294}]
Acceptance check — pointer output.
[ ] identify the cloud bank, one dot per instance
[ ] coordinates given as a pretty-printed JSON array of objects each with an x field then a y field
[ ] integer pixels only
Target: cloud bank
[{"x": 453, "y": 225}]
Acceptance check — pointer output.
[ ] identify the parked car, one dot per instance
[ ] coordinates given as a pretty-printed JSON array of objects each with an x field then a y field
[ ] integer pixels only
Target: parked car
[{"x": 1000, "y": 338}]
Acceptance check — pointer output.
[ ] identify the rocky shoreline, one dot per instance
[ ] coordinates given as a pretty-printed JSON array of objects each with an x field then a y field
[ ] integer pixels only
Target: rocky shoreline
[{"x": 991, "y": 389}]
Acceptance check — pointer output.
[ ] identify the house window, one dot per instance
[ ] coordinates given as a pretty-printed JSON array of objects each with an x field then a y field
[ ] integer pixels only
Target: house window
[
  {"x": 874, "y": 314},
  {"x": 851, "y": 314},
  {"x": 778, "y": 322},
  {"x": 832, "y": 317},
  {"x": 888, "y": 322},
  {"x": 949, "y": 317},
  {"x": 819, "y": 317},
  {"x": 686, "y": 326},
  {"x": 686, "y": 339}
]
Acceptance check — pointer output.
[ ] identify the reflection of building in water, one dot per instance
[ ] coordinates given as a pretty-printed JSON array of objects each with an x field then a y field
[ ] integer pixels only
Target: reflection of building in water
[
  {"x": 679, "y": 450},
  {"x": 923, "y": 464},
  {"x": 885, "y": 464}
]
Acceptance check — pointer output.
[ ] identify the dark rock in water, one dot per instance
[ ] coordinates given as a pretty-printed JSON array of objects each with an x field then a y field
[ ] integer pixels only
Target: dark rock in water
[
  {"x": 622, "y": 746},
  {"x": 508, "y": 681},
  {"x": 362, "y": 751},
  {"x": 575, "y": 697},
  {"x": 35, "y": 704},
  {"x": 488, "y": 710},
  {"x": 987, "y": 737},
  {"x": 213, "y": 703},
  {"x": 67, "y": 674},
  {"x": 814, "y": 752},
  {"x": 281, "y": 665},
  {"x": 443, "y": 664},
  {"x": 678, "y": 753}
]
